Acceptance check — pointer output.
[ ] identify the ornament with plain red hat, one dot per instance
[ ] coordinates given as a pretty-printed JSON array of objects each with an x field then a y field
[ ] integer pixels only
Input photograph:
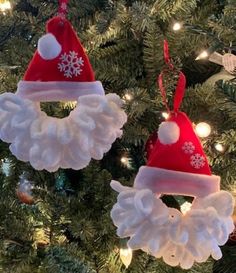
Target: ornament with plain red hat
[
  {"x": 177, "y": 165},
  {"x": 60, "y": 71}
]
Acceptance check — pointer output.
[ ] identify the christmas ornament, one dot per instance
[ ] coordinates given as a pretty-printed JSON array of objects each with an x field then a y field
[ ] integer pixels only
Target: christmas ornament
[
  {"x": 177, "y": 165},
  {"x": 24, "y": 191},
  {"x": 222, "y": 75},
  {"x": 229, "y": 62},
  {"x": 60, "y": 71}
]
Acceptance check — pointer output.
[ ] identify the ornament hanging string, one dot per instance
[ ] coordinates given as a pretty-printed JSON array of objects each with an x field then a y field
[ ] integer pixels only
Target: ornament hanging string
[
  {"x": 62, "y": 9},
  {"x": 180, "y": 88}
]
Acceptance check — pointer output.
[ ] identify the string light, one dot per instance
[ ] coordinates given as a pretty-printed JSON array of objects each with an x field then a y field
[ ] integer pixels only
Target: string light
[
  {"x": 124, "y": 160},
  {"x": 203, "y": 129},
  {"x": 4, "y": 6},
  {"x": 185, "y": 207},
  {"x": 203, "y": 55},
  {"x": 219, "y": 147},
  {"x": 126, "y": 255},
  {"x": 165, "y": 115},
  {"x": 128, "y": 97},
  {"x": 177, "y": 26}
]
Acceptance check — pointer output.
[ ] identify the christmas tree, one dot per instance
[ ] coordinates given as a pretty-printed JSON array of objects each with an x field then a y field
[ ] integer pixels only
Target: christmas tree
[{"x": 60, "y": 221}]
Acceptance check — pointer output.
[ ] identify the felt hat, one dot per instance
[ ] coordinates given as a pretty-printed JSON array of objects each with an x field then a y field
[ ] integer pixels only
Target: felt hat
[
  {"x": 177, "y": 163},
  {"x": 60, "y": 69}
]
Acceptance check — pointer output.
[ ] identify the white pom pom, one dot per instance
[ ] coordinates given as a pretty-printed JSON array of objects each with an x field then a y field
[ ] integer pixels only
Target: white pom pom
[
  {"x": 168, "y": 132},
  {"x": 48, "y": 47}
]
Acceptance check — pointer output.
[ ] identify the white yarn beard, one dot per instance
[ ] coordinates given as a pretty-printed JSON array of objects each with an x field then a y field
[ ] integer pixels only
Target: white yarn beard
[
  {"x": 165, "y": 232},
  {"x": 50, "y": 143}
]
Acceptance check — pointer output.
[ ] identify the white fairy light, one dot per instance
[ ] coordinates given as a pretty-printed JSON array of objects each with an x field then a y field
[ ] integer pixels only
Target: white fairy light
[
  {"x": 165, "y": 115},
  {"x": 177, "y": 26},
  {"x": 128, "y": 97},
  {"x": 185, "y": 207},
  {"x": 203, "y": 55},
  {"x": 124, "y": 160},
  {"x": 4, "y": 6},
  {"x": 203, "y": 129},
  {"x": 219, "y": 147},
  {"x": 126, "y": 255}
]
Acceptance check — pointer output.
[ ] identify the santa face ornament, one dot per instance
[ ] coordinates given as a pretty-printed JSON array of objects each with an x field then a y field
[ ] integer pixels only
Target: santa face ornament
[
  {"x": 176, "y": 165},
  {"x": 60, "y": 71}
]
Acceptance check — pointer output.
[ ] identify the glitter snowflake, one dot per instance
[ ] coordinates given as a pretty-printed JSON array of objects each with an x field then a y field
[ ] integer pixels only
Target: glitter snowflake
[
  {"x": 197, "y": 161},
  {"x": 71, "y": 64},
  {"x": 64, "y": 6},
  {"x": 188, "y": 147}
]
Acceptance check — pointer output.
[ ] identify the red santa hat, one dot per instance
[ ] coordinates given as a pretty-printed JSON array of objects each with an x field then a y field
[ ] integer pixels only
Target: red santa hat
[
  {"x": 177, "y": 163},
  {"x": 60, "y": 68}
]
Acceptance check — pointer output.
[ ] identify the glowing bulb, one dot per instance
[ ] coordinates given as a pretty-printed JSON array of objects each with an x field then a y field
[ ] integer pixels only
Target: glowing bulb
[
  {"x": 165, "y": 115},
  {"x": 185, "y": 207},
  {"x": 128, "y": 97},
  {"x": 177, "y": 26},
  {"x": 126, "y": 255},
  {"x": 124, "y": 160},
  {"x": 203, "y": 129},
  {"x": 5, "y": 5},
  {"x": 203, "y": 55},
  {"x": 219, "y": 147}
]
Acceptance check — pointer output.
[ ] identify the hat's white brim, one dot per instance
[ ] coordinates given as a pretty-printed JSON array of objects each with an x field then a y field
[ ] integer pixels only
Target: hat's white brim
[
  {"x": 58, "y": 91},
  {"x": 163, "y": 181}
]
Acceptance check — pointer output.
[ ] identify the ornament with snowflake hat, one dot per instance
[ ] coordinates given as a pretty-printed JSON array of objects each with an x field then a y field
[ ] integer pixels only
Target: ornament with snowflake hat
[
  {"x": 60, "y": 71},
  {"x": 176, "y": 165}
]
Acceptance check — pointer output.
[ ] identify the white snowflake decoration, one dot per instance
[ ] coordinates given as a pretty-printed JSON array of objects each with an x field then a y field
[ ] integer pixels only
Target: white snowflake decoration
[
  {"x": 197, "y": 161},
  {"x": 64, "y": 6},
  {"x": 71, "y": 64},
  {"x": 188, "y": 147}
]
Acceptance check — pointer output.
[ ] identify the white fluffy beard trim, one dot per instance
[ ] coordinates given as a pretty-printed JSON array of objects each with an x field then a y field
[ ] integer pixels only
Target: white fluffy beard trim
[
  {"x": 50, "y": 143},
  {"x": 181, "y": 239}
]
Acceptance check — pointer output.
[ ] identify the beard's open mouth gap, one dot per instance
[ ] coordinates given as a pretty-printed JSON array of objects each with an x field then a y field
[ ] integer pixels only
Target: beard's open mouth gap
[{"x": 58, "y": 109}]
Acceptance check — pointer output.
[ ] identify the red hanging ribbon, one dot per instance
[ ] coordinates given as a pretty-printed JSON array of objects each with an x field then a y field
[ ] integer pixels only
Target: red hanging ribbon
[
  {"x": 62, "y": 9},
  {"x": 166, "y": 55},
  {"x": 180, "y": 88}
]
